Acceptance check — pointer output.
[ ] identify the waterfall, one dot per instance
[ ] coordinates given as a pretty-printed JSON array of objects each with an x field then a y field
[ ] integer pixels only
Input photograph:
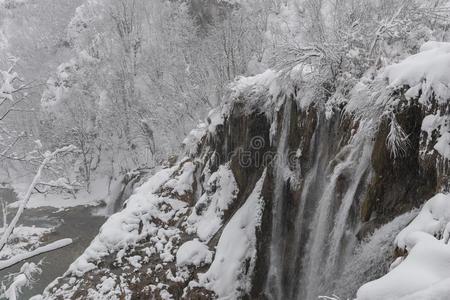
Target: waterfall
[
  {"x": 331, "y": 240},
  {"x": 306, "y": 264},
  {"x": 275, "y": 285}
]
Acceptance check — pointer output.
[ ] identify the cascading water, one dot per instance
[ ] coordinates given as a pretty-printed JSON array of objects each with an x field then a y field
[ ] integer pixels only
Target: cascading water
[
  {"x": 275, "y": 286},
  {"x": 331, "y": 240},
  {"x": 307, "y": 264}
]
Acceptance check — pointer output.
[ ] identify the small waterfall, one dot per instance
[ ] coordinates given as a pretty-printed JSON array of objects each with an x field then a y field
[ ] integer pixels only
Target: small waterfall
[
  {"x": 313, "y": 184},
  {"x": 121, "y": 190},
  {"x": 275, "y": 284}
]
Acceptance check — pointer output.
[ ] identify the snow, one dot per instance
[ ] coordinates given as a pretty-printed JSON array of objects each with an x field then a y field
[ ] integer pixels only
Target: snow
[
  {"x": 135, "y": 261},
  {"x": 426, "y": 71},
  {"x": 57, "y": 87},
  {"x": 107, "y": 285},
  {"x": 7, "y": 85},
  {"x": 437, "y": 291},
  {"x": 430, "y": 123},
  {"x": 227, "y": 275},
  {"x": 425, "y": 272},
  {"x": 221, "y": 190},
  {"x": 215, "y": 118},
  {"x": 193, "y": 253}
]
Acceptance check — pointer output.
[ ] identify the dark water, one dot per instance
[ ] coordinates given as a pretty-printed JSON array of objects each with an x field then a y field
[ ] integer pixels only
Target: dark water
[{"x": 77, "y": 223}]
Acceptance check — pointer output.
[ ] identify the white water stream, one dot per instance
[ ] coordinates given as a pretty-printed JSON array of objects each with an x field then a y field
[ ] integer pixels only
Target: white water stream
[{"x": 324, "y": 234}]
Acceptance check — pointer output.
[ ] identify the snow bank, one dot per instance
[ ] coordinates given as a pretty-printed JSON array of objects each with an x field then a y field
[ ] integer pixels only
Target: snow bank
[
  {"x": 427, "y": 264},
  {"x": 426, "y": 71},
  {"x": 227, "y": 275},
  {"x": 193, "y": 253},
  {"x": 425, "y": 271}
]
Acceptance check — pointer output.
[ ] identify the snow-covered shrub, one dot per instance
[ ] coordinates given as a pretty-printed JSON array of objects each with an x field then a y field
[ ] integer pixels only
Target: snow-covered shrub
[
  {"x": 397, "y": 140},
  {"x": 24, "y": 278}
]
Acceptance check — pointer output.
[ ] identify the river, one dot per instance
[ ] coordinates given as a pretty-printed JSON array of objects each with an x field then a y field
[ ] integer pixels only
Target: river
[{"x": 78, "y": 223}]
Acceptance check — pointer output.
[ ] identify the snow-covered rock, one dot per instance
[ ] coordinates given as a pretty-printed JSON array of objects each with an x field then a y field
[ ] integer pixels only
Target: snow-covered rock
[
  {"x": 221, "y": 191},
  {"x": 193, "y": 253},
  {"x": 236, "y": 248}
]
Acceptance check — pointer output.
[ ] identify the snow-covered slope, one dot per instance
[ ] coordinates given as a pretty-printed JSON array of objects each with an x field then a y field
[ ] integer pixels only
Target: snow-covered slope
[{"x": 166, "y": 237}]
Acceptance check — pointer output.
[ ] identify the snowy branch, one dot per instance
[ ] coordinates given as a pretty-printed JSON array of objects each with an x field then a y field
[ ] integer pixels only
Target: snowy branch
[
  {"x": 24, "y": 278},
  {"x": 47, "y": 248},
  {"x": 48, "y": 158}
]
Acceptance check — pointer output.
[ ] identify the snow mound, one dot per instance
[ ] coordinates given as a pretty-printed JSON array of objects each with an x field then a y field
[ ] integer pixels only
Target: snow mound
[
  {"x": 425, "y": 272},
  {"x": 426, "y": 71},
  {"x": 193, "y": 253},
  {"x": 221, "y": 190},
  {"x": 182, "y": 183},
  {"x": 230, "y": 272},
  {"x": 433, "y": 217}
]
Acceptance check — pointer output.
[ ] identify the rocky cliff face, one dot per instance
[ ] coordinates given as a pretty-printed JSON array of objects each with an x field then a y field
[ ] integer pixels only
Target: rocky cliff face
[{"x": 271, "y": 200}]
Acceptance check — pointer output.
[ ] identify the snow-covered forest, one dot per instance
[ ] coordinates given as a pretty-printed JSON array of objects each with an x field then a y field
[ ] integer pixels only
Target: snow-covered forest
[{"x": 225, "y": 149}]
